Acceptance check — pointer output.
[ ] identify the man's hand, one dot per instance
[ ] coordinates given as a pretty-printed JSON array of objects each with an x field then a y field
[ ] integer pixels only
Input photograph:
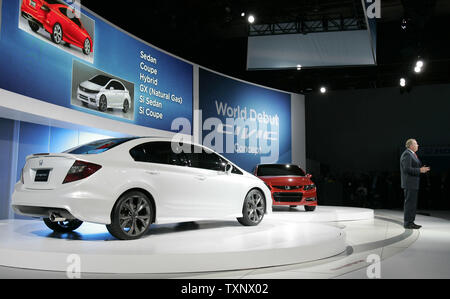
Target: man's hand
[{"x": 424, "y": 169}]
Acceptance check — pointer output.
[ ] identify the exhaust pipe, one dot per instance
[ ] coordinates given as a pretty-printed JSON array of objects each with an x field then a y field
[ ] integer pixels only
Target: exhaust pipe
[{"x": 55, "y": 217}]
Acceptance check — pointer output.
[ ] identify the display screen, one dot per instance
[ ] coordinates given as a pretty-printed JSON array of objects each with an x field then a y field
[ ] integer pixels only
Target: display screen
[
  {"x": 246, "y": 123},
  {"x": 55, "y": 53}
]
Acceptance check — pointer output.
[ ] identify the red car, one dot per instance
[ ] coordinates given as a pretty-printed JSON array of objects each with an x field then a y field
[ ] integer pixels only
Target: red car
[
  {"x": 289, "y": 185},
  {"x": 59, "y": 20}
]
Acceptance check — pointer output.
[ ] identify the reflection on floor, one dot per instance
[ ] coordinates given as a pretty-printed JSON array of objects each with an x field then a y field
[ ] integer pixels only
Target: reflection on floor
[{"x": 403, "y": 253}]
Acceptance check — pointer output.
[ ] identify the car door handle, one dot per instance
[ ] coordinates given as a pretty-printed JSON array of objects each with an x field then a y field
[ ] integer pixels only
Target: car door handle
[
  {"x": 200, "y": 177},
  {"x": 152, "y": 172}
]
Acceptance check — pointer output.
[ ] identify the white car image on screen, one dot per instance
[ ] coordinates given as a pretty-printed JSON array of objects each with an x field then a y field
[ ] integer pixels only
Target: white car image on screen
[
  {"x": 104, "y": 92},
  {"x": 130, "y": 183}
]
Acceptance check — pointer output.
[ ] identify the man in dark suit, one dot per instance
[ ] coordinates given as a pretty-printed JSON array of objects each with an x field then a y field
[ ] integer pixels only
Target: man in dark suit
[{"x": 410, "y": 169}]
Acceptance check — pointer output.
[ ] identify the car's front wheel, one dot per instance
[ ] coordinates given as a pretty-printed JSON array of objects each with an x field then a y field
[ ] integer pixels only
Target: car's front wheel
[
  {"x": 33, "y": 25},
  {"x": 131, "y": 216},
  {"x": 63, "y": 226},
  {"x": 103, "y": 104},
  {"x": 126, "y": 106},
  {"x": 310, "y": 208},
  {"x": 254, "y": 208},
  {"x": 57, "y": 34},
  {"x": 87, "y": 47}
]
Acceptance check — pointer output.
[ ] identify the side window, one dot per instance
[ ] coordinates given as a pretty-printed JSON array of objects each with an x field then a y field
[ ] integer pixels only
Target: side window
[
  {"x": 157, "y": 152},
  {"x": 110, "y": 85},
  {"x": 117, "y": 85},
  {"x": 63, "y": 11},
  {"x": 199, "y": 158}
]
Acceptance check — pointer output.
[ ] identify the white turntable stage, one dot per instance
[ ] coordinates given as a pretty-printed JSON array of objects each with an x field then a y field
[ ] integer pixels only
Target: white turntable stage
[{"x": 287, "y": 236}]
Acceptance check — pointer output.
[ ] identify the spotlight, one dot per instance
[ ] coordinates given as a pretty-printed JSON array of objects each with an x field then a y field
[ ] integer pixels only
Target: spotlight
[
  {"x": 417, "y": 69},
  {"x": 419, "y": 63},
  {"x": 323, "y": 90},
  {"x": 402, "y": 82},
  {"x": 242, "y": 14},
  {"x": 299, "y": 67},
  {"x": 251, "y": 19}
]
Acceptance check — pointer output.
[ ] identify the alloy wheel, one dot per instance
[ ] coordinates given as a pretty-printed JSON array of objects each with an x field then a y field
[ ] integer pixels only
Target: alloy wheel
[
  {"x": 87, "y": 47},
  {"x": 254, "y": 206},
  {"x": 57, "y": 33},
  {"x": 134, "y": 215}
]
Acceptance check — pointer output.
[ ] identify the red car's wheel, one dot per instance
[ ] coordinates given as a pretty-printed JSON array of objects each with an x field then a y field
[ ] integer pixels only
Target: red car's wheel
[
  {"x": 57, "y": 34},
  {"x": 310, "y": 208},
  {"x": 87, "y": 47}
]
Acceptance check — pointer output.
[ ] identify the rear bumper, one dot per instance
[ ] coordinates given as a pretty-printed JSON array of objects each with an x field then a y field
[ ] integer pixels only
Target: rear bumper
[{"x": 90, "y": 206}]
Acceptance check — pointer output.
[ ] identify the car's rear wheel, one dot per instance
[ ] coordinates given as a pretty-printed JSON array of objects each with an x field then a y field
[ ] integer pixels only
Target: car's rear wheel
[
  {"x": 103, "y": 103},
  {"x": 63, "y": 226},
  {"x": 310, "y": 208},
  {"x": 57, "y": 34},
  {"x": 87, "y": 47},
  {"x": 131, "y": 216},
  {"x": 254, "y": 208},
  {"x": 126, "y": 106},
  {"x": 34, "y": 26}
]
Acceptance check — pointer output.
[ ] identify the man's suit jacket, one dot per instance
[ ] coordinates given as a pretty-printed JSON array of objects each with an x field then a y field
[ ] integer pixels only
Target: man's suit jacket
[{"x": 410, "y": 170}]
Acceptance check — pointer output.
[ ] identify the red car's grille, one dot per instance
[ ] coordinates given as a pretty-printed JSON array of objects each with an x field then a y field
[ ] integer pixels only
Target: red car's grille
[
  {"x": 287, "y": 196},
  {"x": 287, "y": 187}
]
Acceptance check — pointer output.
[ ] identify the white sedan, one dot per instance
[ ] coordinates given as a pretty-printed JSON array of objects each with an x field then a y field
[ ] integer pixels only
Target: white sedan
[
  {"x": 130, "y": 183},
  {"x": 104, "y": 92}
]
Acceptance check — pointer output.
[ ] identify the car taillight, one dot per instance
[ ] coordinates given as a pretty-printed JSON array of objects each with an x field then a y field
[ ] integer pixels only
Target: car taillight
[{"x": 80, "y": 170}]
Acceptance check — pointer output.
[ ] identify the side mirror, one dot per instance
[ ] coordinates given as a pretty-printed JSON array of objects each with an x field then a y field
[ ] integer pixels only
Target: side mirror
[
  {"x": 45, "y": 8},
  {"x": 111, "y": 88},
  {"x": 228, "y": 168}
]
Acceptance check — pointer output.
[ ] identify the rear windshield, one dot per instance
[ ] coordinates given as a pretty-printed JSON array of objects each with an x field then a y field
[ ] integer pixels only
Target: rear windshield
[
  {"x": 97, "y": 147},
  {"x": 279, "y": 170},
  {"x": 100, "y": 80}
]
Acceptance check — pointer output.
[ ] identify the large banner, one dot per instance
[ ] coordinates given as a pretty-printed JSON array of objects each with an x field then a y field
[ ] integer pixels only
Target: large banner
[
  {"x": 249, "y": 124},
  {"x": 66, "y": 56}
]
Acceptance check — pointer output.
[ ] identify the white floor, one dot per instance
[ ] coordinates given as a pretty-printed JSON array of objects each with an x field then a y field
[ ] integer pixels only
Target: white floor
[{"x": 403, "y": 253}]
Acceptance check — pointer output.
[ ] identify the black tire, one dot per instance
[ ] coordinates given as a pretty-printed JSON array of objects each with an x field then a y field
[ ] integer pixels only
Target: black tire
[
  {"x": 103, "y": 104},
  {"x": 310, "y": 208},
  {"x": 253, "y": 209},
  {"x": 63, "y": 226},
  {"x": 34, "y": 26},
  {"x": 57, "y": 34},
  {"x": 131, "y": 216},
  {"x": 126, "y": 106},
  {"x": 87, "y": 47}
]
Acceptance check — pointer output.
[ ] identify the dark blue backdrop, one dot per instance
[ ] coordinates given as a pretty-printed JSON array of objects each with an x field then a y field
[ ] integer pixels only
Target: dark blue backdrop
[{"x": 215, "y": 89}]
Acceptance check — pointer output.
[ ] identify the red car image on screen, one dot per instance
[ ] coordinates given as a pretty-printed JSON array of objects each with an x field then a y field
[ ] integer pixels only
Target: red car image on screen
[
  {"x": 59, "y": 20},
  {"x": 289, "y": 185}
]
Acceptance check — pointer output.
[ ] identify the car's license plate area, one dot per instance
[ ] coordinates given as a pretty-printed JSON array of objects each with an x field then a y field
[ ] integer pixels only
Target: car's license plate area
[{"x": 42, "y": 175}]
